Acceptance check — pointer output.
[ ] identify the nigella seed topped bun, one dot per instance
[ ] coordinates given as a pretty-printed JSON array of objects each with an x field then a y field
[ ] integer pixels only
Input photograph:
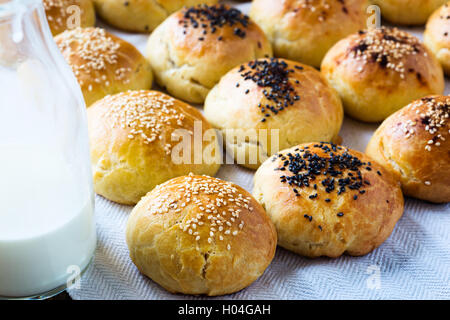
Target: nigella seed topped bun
[
  {"x": 200, "y": 235},
  {"x": 304, "y": 30},
  {"x": 192, "y": 49},
  {"x": 267, "y": 105},
  {"x": 59, "y": 14},
  {"x": 414, "y": 144},
  {"x": 103, "y": 63},
  {"x": 327, "y": 200},
  {"x": 437, "y": 36},
  {"x": 378, "y": 71}
]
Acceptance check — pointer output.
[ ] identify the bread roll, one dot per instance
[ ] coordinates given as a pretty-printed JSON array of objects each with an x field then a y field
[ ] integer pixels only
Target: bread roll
[
  {"x": 408, "y": 12},
  {"x": 305, "y": 30},
  {"x": 414, "y": 144},
  {"x": 140, "y": 15},
  {"x": 378, "y": 71},
  {"x": 437, "y": 36},
  {"x": 254, "y": 100},
  {"x": 135, "y": 141},
  {"x": 192, "y": 49},
  {"x": 65, "y": 14},
  {"x": 103, "y": 63},
  {"x": 327, "y": 200},
  {"x": 200, "y": 235}
]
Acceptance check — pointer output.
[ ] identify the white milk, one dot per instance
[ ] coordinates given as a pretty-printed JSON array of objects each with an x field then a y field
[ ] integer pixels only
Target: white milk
[{"x": 47, "y": 230}]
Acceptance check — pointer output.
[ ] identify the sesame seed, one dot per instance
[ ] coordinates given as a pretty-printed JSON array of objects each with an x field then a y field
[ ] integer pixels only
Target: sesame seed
[{"x": 386, "y": 46}]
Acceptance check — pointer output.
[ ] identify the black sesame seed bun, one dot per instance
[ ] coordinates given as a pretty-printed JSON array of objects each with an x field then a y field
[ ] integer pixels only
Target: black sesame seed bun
[
  {"x": 437, "y": 36},
  {"x": 327, "y": 200},
  {"x": 273, "y": 94},
  {"x": 408, "y": 12},
  {"x": 200, "y": 235},
  {"x": 140, "y": 15},
  {"x": 103, "y": 63},
  {"x": 131, "y": 139},
  {"x": 59, "y": 17},
  {"x": 378, "y": 71},
  {"x": 304, "y": 31},
  {"x": 414, "y": 144},
  {"x": 196, "y": 46}
]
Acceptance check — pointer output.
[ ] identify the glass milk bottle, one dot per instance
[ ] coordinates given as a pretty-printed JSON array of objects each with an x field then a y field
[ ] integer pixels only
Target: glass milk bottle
[{"x": 47, "y": 230}]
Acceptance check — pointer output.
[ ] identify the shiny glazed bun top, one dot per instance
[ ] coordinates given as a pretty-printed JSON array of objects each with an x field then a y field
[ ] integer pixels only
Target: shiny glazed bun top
[
  {"x": 103, "y": 63},
  {"x": 196, "y": 46},
  {"x": 326, "y": 199},
  {"x": 273, "y": 94},
  {"x": 379, "y": 71},
  {"x": 414, "y": 143},
  {"x": 200, "y": 235}
]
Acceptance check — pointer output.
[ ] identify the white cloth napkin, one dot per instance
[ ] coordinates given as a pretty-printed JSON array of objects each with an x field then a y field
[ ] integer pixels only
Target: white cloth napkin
[{"x": 414, "y": 263}]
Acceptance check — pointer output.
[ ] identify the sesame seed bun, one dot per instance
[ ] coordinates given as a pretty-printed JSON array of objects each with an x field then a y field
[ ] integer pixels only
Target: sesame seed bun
[
  {"x": 273, "y": 94},
  {"x": 305, "y": 30},
  {"x": 200, "y": 235},
  {"x": 378, "y": 71},
  {"x": 60, "y": 14},
  {"x": 408, "y": 12},
  {"x": 414, "y": 144},
  {"x": 327, "y": 200},
  {"x": 103, "y": 63},
  {"x": 437, "y": 36},
  {"x": 132, "y": 141},
  {"x": 192, "y": 49},
  {"x": 140, "y": 15}
]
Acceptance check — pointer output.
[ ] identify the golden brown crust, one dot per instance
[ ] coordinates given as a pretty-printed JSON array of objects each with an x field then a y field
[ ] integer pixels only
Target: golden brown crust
[
  {"x": 103, "y": 63},
  {"x": 193, "y": 49},
  {"x": 319, "y": 217},
  {"x": 437, "y": 36},
  {"x": 378, "y": 71},
  {"x": 141, "y": 15},
  {"x": 273, "y": 94},
  {"x": 410, "y": 145},
  {"x": 61, "y": 15},
  {"x": 305, "y": 30},
  {"x": 408, "y": 12},
  {"x": 132, "y": 137},
  {"x": 200, "y": 235}
]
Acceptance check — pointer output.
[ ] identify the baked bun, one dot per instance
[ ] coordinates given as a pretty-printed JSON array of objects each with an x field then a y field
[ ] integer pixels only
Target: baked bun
[
  {"x": 408, "y": 12},
  {"x": 200, "y": 235},
  {"x": 272, "y": 94},
  {"x": 414, "y": 144},
  {"x": 378, "y": 71},
  {"x": 103, "y": 63},
  {"x": 305, "y": 30},
  {"x": 327, "y": 200},
  {"x": 437, "y": 36},
  {"x": 60, "y": 14},
  {"x": 192, "y": 49},
  {"x": 140, "y": 15},
  {"x": 135, "y": 141}
]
